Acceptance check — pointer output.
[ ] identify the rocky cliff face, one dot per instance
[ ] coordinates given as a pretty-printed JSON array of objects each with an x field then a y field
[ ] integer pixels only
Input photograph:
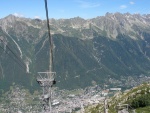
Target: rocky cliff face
[{"x": 96, "y": 49}]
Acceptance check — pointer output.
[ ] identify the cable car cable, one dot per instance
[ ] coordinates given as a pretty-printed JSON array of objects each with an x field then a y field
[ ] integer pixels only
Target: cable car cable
[
  {"x": 14, "y": 59},
  {"x": 14, "y": 54},
  {"x": 49, "y": 34}
]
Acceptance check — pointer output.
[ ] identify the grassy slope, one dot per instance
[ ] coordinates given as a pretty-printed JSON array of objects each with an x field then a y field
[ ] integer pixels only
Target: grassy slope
[
  {"x": 124, "y": 98},
  {"x": 143, "y": 110}
]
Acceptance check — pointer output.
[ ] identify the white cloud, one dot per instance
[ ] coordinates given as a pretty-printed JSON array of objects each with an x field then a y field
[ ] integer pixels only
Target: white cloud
[
  {"x": 123, "y": 7},
  {"x": 84, "y": 4},
  {"x": 18, "y": 15},
  {"x": 132, "y": 3},
  {"x": 36, "y": 17}
]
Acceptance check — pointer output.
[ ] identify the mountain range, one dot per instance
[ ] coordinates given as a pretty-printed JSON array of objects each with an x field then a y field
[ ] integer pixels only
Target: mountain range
[{"x": 86, "y": 51}]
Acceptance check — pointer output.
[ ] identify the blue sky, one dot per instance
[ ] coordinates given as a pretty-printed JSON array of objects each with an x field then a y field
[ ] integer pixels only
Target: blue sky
[{"x": 72, "y": 8}]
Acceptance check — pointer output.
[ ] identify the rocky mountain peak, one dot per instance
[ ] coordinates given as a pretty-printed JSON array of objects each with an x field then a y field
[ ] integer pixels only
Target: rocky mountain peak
[
  {"x": 109, "y": 25},
  {"x": 10, "y": 18}
]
